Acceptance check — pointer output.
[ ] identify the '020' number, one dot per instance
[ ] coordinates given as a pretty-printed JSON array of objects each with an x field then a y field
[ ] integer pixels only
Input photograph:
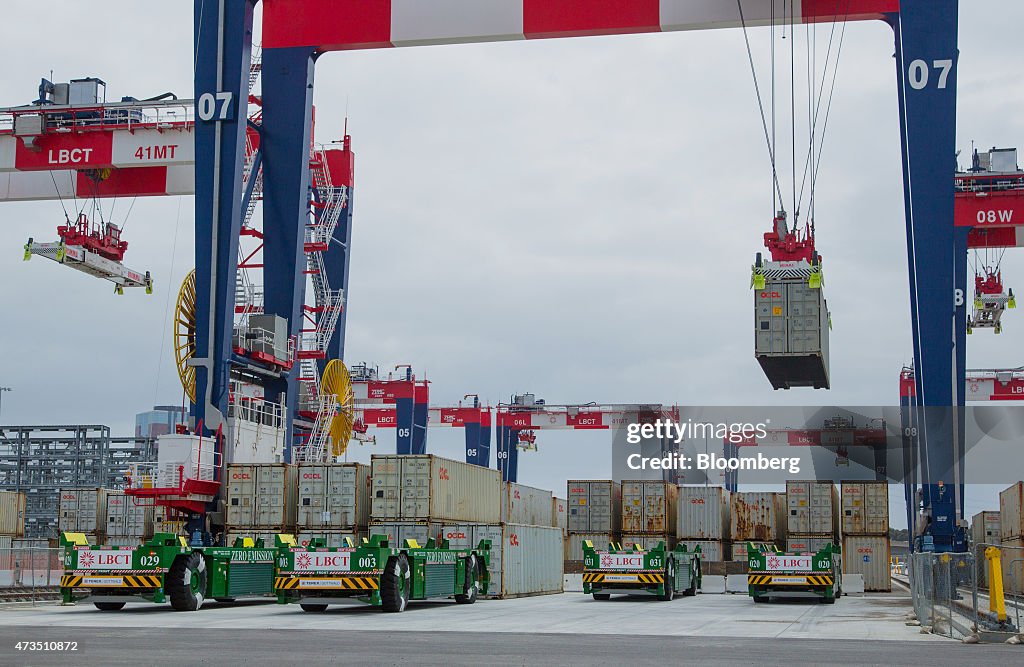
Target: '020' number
[{"x": 149, "y": 561}]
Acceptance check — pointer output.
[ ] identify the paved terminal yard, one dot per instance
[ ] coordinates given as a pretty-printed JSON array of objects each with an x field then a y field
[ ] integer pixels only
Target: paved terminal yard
[{"x": 570, "y": 628}]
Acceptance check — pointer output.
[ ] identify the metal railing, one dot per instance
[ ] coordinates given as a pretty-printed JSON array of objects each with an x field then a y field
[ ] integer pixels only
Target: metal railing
[
  {"x": 162, "y": 115},
  {"x": 30, "y": 574}
]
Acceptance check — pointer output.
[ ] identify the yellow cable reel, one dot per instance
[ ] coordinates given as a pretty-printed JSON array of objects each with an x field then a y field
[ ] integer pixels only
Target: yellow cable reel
[
  {"x": 337, "y": 381},
  {"x": 185, "y": 334}
]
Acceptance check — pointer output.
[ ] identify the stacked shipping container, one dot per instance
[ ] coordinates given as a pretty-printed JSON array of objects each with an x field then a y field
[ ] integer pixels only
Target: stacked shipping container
[
  {"x": 865, "y": 530},
  {"x": 759, "y": 517},
  {"x": 985, "y": 530},
  {"x": 649, "y": 510},
  {"x": 83, "y": 511},
  {"x": 261, "y": 496},
  {"x": 12, "y": 514},
  {"x": 1011, "y": 535},
  {"x": 813, "y": 516},
  {"x": 595, "y": 514},
  {"x": 703, "y": 520},
  {"x": 128, "y": 523},
  {"x": 333, "y": 502}
]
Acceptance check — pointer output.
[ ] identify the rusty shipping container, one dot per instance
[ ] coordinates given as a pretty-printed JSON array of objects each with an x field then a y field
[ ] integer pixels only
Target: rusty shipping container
[
  {"x": 807, "y": 544},
  {"x": 703, "y": 513},
  {"x": 560, "y": 513},
  {"x": 126, "y": 517},
  {"x": 868, "y": 555},
  {"x": 649, "y": 507},
  {"x": 1011, "y": 519},
  {"x": 574, "y": 543},
  {"x": 332, "y": 496},
  {"x": 12, "y": 513},
  {"x": 525, "y": 504},
  {"x": 332, "y": 538},
  {"x": 261, "y": 496},
  {"x": 712, "y": 551},
  {"x": 865, "y": 508},
  {"x": 1013, "y": 578},
  {"x": 82, "y": 510},
  {"x": 738, "y": 550},
  {"x": 525, "y": 560},
  {"x": 595, "y": 506},
  {"x": 646, "y": 541},
  {"x": 759, "y": 516},
  {"x": 430, "y": 488},
  {"x": 399, "y": 531},
  {"x": 813, "y": 508}
]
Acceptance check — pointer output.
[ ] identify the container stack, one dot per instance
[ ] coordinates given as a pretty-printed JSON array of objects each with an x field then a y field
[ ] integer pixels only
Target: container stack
[
  {"x": 865, "y": 531},
  {"x": 813, "y": 516},
  {"x": 649, "y": 510},
  {"x": 703, "y": 521},
  {"x": 985, "y": 530},
  {"x": 333, "y": 502},
  {"x": 560, "y": 514},
  {"x": 759, "y": 517},
  {"x": 595, "y": 514},
  {"x": 128, "y": 522},
  {"x": 1011, "y": 535},
  {"x": 83, "y": 511},
  {"x": 260, "y": 501},
  {"x": 12, "y": 518}
]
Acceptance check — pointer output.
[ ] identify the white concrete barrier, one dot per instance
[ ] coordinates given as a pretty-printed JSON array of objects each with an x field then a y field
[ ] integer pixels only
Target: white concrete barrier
[
  {"x": 572, "y": 583},
  {"x": 736, "y": 583},
  {"x": 853, "y": 583},
  {"x": 712, "y": 584}
]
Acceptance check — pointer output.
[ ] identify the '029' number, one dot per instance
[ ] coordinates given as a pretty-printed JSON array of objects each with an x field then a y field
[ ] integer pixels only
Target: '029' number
[{"x": 149, "y": 561}]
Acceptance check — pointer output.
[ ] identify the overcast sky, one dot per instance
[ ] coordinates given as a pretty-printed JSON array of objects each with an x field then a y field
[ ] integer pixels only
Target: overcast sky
[{"x": 576, "y": 218}]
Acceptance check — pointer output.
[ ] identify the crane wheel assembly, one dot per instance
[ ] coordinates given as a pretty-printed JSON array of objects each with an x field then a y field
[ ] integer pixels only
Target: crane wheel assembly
[{"x": 185, "y": 334}]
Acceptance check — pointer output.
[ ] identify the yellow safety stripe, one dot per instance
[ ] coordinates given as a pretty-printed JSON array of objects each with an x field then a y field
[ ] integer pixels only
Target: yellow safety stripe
[
  {"x": 347, "y": 583},
  {"x": 767, "y": 579},
  {"x": 125, "y": 581},
  {"x": 599, "y": 577}
]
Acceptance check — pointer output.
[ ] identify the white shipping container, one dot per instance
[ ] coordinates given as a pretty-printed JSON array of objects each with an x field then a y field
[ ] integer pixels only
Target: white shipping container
[
  {"x": 986, "y": 528},
  {"x": 261, "y": 495},
  {"x": 399, "y": 531},
  {"x": 6, "y": 541},
  {"x": 648, "y": 542},
  {"x": 268, "y": 536},
  {"x": 574, "y": 543},
  {"x": 82, "y": 510},
  {"x": 865, "y": 508},
  {"x": 560, "y": 513},
  {"x": 711, "y": 551},
  {"x": 126, "y": 517},
  {"x": 868, "y": 555},
  {"x": 703, "y": 513},
  {"x": 595, "y": 506},
  {"x": 123, "y": 541},
  {"x": 525, "y": 504},
  {"x": 758, "y": 516},
  {"x": 332, "y": 538},
  {"x": 649, "y": 506},
  {"x": 813, "y": 508},
  {"x": 807, "y": 544},
  {"x": 430, "y": 488},
  {"x": 1011, "y": 519},
  {"x": 333, "y": 496},
  {"x": 525, "y": 560},
  {"x": 12, "y": 513}
]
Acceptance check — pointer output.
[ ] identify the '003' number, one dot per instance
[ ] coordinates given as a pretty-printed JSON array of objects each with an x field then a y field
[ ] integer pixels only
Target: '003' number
[{"x": 368, "y": 562}]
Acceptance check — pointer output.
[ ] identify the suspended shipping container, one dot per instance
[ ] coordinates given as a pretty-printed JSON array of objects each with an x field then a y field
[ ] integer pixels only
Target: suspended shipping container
[
  {"x": 399, "y": 531},
  {"x": 525, "y": 504},
  {"x": 868, "y": 555},
  {"x": 865, "y": 508},
  {"x": 525, "y": 560},
  {"x": 759, "y": 516},
  {"x": 332, "y": 496},
  {"x": 126, "y": 517},
  {"x": 712, "y": 551},
  {"x": 1011, "y": 519},
  {"x": 791, "y": 325},
  {"x": 594, "y": 506},
  {"x": 12, "y": 513},
  {"x": 430, "y": 488},
  {"x": 813, "y": 508},
  {"x": 574, "y": 543},
  {"x": 261, "y": 496},
  {"x": 649, "y": 506},
  {"x": 560, "y": 513},
  {"x": 82, "y": 510},
  {"x": 703, "y": 513}
]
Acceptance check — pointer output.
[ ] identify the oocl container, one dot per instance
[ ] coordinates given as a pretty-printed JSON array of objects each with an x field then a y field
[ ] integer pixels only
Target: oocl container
[
  {"x": 738, "y": 551},
  {"x": 807, "y": 544},
  {"x": 12, "y": 513},
  {"x": 333, "y": 496},
  {"x": 560, "y": 513},
  {"x": 574, "y": 543},
  {"x": 399, "y": 531},
  {"x": 126, "y": 518},
  {"x": 525, "y": 504},
  {"x": 261, "y": 496},
  {"x": 712, "y": 551},
  {"x": 649, "y": 506},
  {"x": 868, "y": 555},
  {"x": 525, "y": 560},
  {"x": 758, "y": 516},
  {"x": 83, "y": 510},
  {"x": 865, "y": 508},
  {"x": 430, "y": 488},
  {"x": 595, "y": 506},
  {"x": 648, "y": 542},
  {"x": 813, "y": 508},
  {"x": 703, "y": 513},
  {"x": 1011, "y": 519},
  {"x": 254, "y": 534},
  {"x": 791, "y": 329},
  {"x": 331, "y": 538}
]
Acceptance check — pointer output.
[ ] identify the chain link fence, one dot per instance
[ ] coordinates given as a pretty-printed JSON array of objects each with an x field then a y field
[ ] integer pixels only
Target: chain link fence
[{"x": 30, "y": 574}]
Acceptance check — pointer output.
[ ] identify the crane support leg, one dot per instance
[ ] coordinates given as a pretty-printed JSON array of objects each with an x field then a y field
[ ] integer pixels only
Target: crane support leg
[
  {"x": 223, "y": 42},
  {"x": 926, "y": 58},
  {"x": 508, "y": 453}
]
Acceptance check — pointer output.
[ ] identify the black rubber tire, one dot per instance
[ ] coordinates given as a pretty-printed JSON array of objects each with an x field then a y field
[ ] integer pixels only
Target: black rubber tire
[
  {"x": 395, "y": 584},
  {"x": 828, "y": 600},
  {"x": 471, "y": 590},
  {"x": 760, "y": 598},
  {"x": 186, "y": 582},
  {"x": 602, "y": 596},
  {"x": 313, "y": 608},
  {"x": 670, "y": 582},
  {"x": 109, "y": 606}
]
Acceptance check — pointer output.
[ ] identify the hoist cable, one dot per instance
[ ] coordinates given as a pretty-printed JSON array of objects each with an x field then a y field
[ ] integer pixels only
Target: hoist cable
[{"x": 792, "y": 94}]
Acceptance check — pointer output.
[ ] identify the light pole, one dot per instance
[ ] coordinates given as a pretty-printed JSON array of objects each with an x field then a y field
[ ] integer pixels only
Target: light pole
[{"x": 2, "y": 390}]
